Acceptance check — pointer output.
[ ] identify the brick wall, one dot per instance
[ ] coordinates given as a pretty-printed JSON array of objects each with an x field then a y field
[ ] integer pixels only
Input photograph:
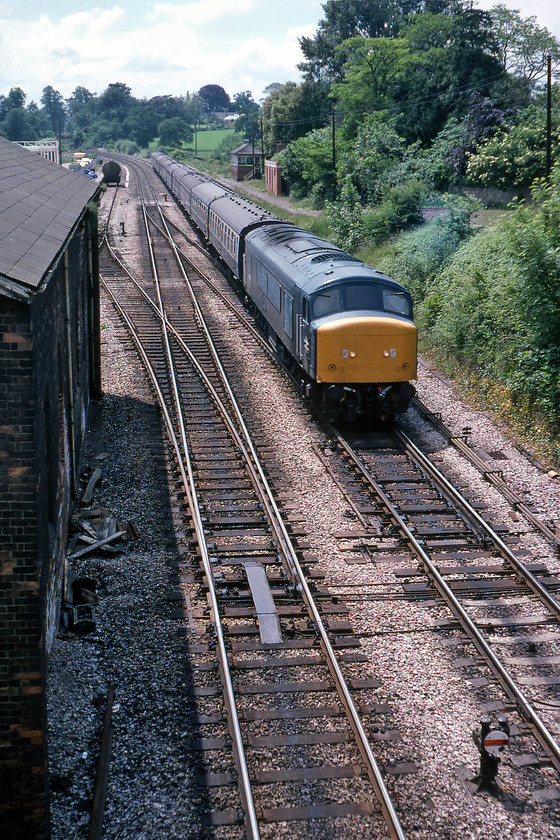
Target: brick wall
[{"x": 44, "y": 398}]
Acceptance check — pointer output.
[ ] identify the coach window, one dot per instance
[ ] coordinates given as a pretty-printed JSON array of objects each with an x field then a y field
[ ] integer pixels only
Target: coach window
[
  {"x": 396, "y": 302},
  {"x": 327, "y": 302}
]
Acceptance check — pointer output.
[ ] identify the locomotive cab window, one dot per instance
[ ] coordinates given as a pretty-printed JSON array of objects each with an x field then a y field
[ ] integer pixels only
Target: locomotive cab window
[
  {"x": 361, "y": 296},
  {"x": 397, "y": 302},
  {"x": 325, "y": 303}
]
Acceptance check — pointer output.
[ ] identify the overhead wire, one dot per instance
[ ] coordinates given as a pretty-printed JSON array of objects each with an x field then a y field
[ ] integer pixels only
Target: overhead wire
[{"x": 466, "y": 88}]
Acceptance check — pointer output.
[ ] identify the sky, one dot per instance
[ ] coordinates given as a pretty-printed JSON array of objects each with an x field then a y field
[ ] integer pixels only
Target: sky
[{"x": 172, "y": 47}]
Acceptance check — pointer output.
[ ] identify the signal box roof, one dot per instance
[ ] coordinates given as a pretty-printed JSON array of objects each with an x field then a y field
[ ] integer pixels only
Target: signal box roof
[{"x": 40, "y": 204}]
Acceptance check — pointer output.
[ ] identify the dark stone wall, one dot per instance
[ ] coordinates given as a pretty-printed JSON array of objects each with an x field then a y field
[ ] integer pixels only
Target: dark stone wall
[{"x": 45, "y": 384}]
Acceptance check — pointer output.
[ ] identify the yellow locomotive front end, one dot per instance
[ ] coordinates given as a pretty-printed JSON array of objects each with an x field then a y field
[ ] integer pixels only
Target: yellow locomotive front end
[{"x": 362, "y": 349}]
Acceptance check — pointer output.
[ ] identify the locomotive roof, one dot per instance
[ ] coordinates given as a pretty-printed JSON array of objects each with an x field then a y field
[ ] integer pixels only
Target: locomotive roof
[
  {"x": 317, "y": 262},
  {"x": 40, "y": 204}
]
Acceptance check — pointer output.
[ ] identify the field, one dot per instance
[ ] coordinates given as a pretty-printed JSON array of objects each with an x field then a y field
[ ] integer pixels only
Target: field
[{"x": 207, "y": 141}]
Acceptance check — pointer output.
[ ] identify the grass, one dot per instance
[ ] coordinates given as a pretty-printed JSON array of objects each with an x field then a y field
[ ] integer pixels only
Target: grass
[
  {"x": 209, "y": 140},
  {"x": 529, "y": 429}
]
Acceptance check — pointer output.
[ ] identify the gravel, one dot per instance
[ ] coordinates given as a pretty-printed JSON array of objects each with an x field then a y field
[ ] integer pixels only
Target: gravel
[{"x": 138, "y": 648}]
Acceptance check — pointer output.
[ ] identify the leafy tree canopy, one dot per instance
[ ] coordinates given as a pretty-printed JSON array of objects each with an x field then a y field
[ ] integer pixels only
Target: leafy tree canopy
[
  {"x": 115, "y": 102},
  {"x": 522, "y": 46},
  {"x": 174, "y": 131},
  {"x": 54, "y": 106},
  {"x": 516, "y": 153},
  {"x": 214, "y": 97},
  {"x": 291, "y": 110}
]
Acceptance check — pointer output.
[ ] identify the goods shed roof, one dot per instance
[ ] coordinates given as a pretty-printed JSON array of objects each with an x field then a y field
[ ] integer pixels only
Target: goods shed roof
[{"x": 40, "y": 204}]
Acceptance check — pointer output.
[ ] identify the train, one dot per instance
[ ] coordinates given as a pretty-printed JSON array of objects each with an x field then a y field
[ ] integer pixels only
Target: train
[
  {"x": 111, "y": 173},
  {"x": 345, "y": 329}
]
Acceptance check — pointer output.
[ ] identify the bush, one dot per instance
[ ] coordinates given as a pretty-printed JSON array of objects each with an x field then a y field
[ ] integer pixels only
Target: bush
[
  {"x": 351, "y": 225},
  {"x": 345, "y": 217},
  {"x": 307, "y": 165},
  {"x": 494, "y": 307},
  {"x": 224, "y": 147}
]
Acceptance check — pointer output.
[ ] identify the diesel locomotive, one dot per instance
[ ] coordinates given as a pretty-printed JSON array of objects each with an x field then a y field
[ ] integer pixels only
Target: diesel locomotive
[{"x": 345, "y": 328}]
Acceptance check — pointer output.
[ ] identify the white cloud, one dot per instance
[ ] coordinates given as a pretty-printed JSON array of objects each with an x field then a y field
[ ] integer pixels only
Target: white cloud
[
  {"x": 200, "y": 12},
  {"x": 169, "y": 52}
]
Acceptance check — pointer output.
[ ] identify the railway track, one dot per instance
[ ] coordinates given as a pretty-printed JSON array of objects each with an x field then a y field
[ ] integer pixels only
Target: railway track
[
  {"x": 460, "y": 555},
  {"x": 274, "y": 639},
  {"x": 296, "y": 761}
]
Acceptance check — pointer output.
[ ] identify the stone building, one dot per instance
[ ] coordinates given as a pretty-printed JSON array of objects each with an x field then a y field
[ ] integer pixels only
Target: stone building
[{"x": 49, "y": 371}]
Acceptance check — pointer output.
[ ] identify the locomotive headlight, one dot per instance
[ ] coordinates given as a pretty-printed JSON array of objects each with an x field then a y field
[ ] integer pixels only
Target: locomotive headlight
[
  {"x": 386, "y": 354},
  {"x": 352, "y": 354}
]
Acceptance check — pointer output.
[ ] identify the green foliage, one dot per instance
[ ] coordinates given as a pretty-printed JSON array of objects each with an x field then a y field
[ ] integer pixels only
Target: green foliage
[
  {"x": 346, "y": 217},
  {"x": 376, "y": 151},
  {"x": 214, "y": 97},
  {"x": 220, "y": 143},
  {"x": 291, "y": 111},
  {"x": 516, "y": 154},
  {"x": 174, "y": 131},
  {"x": 495, "y": 305},
  {"x": 307, "y": 166},
  {"x": 417, "y": 257},
  {"x": 372, "y": 69},
  {"x": 351, "y": 225},
  {"x": 522, "y": 46}
]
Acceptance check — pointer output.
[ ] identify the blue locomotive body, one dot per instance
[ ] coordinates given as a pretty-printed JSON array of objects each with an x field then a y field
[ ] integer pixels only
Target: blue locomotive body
[{"x": 345, "y": 328}]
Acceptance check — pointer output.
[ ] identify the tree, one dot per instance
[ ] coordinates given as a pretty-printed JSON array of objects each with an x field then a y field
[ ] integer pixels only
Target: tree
[
  {"x": 248, "y": 110},
  {"x": 292, "y": 110},
  {"x": 343, "y": 19},
  {"x": 173, "y": 132},
  {"x": 457, "y": 51},
  {"x": 515, "y": 155},
  {"x": 522, "y": 47},
  {"x": 346, "y": 19},
  {"x": 307, "y": 165},
  {"x": 214, "y": 97},
  {"x": 80, "y": 107},
  {"x": 116, "y": 102},
  {"x": 480, "y": 123},
  {"x": 53, "y": 103},
  {"x": 16, "y": 98},
  {"x": 271, "y": 88},
  {"x": 80, "y": 97},
  {"x": 376, "y": 150},
  {"x": 141, "y": 125},
  {"x": 168, "y": 106},
  {"x": 15, "y": 125},
  {"x": 371, "y": 67}
]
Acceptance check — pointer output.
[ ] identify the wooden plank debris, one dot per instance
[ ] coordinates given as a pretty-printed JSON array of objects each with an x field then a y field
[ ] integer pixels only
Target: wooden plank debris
[
  {"x": 87, "y": 498},
  {"x": 97, "y": 544}
]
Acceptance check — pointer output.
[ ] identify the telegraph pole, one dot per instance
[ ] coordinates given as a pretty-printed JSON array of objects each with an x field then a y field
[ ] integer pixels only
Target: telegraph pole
[
  {"x": 548, "y": 119},
  {"x": 333, "y": 154}
]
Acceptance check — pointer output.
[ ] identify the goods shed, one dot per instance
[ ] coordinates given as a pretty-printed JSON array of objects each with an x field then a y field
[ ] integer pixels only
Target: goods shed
[{"x": 49, "y": 371}]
